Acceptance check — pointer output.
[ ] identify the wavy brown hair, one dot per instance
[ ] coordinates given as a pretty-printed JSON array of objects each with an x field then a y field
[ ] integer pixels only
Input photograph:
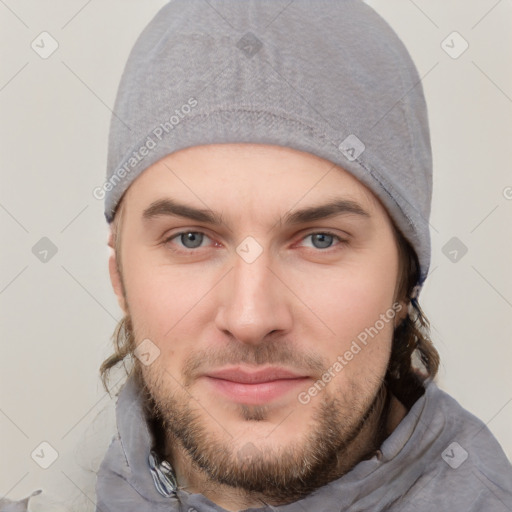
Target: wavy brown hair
[{"x": 413, "y": 360}]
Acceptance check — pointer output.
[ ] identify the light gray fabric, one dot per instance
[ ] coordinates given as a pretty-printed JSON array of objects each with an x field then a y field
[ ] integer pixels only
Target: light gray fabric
[
  {"x": 420, "y": 467},
  {"x": 329, "y": 77},
  {"x": 7, "y": 505}
]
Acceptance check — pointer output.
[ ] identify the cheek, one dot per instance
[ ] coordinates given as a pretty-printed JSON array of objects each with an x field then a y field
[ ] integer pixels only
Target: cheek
[
  {"x": 165, "y": 304},
  {"x": 345, "y": 298},
  {"x": 145, "y": 288},
  {"x": 355, "y": 306}
]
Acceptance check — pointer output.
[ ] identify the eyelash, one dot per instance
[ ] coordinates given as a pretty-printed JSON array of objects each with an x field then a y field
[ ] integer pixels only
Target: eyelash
[{"x": 342, "y": 241}]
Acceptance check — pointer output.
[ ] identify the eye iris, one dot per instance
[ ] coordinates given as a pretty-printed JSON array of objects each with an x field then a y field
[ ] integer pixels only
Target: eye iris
[
  {"x": 192, "y": 236},
  {"x": 324, "y": 239}
]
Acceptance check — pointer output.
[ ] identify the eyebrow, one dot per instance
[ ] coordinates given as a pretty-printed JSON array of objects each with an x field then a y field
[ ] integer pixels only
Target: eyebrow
[{"x": 170, "y": 207}]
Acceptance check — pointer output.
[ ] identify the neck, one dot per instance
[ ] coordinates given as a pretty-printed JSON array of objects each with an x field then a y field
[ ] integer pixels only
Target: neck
[{"x": 382, "y": 418}]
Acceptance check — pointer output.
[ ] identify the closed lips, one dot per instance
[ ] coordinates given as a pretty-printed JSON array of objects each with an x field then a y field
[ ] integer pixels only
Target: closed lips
[{"x": 255, "y": 377}]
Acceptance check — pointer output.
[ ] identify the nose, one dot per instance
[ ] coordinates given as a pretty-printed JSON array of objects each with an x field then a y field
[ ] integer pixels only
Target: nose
[{"x": 254, "y": 302}]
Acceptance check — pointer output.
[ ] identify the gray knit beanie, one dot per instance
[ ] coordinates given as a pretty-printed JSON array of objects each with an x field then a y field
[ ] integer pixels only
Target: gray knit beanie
[{"x": 329, "y": 77}]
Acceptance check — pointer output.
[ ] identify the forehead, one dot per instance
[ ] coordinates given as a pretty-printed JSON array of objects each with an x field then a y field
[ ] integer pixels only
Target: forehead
[{"x": 252, "y": 177}]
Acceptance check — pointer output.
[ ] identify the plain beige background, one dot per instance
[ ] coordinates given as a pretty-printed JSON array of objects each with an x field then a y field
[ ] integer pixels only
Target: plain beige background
[{"x": 57, "y": 316}]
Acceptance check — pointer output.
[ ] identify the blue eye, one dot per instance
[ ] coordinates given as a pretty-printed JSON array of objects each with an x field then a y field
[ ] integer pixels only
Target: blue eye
[
  {"x": 190, "y": 240},
  {"x": 324, "y": 240}
]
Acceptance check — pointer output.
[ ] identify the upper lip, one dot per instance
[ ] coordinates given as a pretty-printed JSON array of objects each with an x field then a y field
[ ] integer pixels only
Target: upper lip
[{"x": 247, "y": 376}]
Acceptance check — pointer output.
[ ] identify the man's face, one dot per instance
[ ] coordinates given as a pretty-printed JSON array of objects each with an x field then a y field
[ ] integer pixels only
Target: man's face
[{"x": 250, "y": 316}]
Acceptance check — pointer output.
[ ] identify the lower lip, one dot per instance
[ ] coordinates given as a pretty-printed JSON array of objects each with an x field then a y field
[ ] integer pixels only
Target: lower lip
[{"x": 253, "y": 394}]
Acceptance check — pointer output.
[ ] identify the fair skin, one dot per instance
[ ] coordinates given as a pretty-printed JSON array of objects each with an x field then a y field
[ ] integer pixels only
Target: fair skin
[{"x": 243, "y": 437}]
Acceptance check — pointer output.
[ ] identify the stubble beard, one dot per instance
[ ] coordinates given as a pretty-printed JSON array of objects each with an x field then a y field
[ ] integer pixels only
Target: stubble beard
[{"x": 325, "y": 452}]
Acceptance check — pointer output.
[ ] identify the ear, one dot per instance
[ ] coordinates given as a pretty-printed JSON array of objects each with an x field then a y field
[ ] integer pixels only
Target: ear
[
  {"x": 115, "y": 277},
  {"x": 401, "y": 313}
]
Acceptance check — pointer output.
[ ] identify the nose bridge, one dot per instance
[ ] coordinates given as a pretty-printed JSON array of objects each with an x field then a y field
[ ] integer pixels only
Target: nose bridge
[
  {"x": 251, "y": 281},
  {"x": 253, "y": 303}
]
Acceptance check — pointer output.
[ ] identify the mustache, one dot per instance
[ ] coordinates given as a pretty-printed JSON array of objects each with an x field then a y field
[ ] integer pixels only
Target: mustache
[{"x": 273, "y": 352}]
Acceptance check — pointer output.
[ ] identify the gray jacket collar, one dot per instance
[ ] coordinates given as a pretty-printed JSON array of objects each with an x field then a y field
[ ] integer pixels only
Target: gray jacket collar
[{"x": 126, "y": 466}]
